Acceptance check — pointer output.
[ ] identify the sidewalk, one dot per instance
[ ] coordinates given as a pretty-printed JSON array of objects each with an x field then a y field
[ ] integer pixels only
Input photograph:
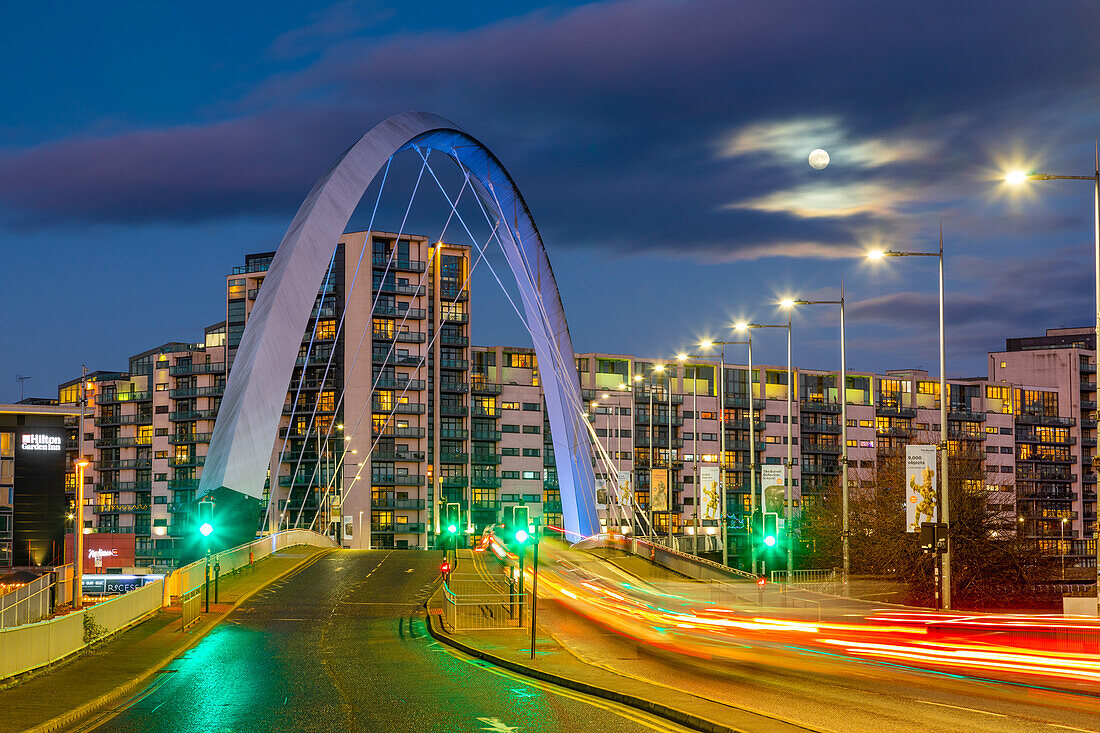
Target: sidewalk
[
  {"x": 510, "y": 648},
  {"x": 96, "y": 677}
]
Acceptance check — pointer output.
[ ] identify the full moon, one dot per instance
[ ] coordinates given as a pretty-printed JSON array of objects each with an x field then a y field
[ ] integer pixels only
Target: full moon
[{"x": 819, "y": 159}]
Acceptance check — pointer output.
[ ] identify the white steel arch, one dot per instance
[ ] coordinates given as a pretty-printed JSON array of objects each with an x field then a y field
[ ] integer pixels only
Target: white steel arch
[{"x": 248, "y": 419}]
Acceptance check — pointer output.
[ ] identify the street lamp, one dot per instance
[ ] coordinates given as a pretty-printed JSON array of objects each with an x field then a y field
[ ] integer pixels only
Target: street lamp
[
  {"x": 1018, "y": 177},
  {"x": 78, "y": 534},
  {"x": 722, "y": 441},
  {"x": 682, "y": 358},
  {"x": 842, "y": 394},
  {"x": 787, "y": 478},
  {"x": 1062, "y": 548},
  {"x": 946, "y": 502}
]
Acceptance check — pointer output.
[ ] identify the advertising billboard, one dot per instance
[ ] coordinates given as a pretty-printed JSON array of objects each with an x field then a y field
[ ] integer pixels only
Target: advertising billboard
[
  {"x": 658, "y": 489},
  {"x": 709, "y": 494},
  {"x": 772, "y": 487},
  {"x": 920, "y": 486}
]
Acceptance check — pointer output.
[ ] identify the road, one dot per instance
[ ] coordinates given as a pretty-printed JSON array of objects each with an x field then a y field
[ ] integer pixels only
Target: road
[
  {"x": 341, "y": 646},
  {"x": 820, "y": 691}
]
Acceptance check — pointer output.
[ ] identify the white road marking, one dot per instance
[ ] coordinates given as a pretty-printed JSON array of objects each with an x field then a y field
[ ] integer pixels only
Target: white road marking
[
  {"x": 959, "y": 707},
  {"x": 409, "y": 570},
  {"x": 1070, "y": 727},
  {"x": 496, "y": 726}
]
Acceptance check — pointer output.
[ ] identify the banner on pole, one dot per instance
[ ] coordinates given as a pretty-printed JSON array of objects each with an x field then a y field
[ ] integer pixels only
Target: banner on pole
[
  {"x": 602, "y": 499},
  {"x": 920, "y": 486},
  {"x": 658, "y": 489},
  {"x": 708, "y": 480},
  {"x": 772, "y": 487},
  {"x": 624, "y": 490}
]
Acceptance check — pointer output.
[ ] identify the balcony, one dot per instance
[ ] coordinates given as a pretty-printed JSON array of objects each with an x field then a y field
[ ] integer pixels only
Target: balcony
[
  {"x": 453, "y": 294},
  {"x": 395, "y": 359},
  {"x": 383, "y": 261},
  {"x": 398, "y": 408},
  {"x": 740, "y": 445},
  {"x": 1088, "y": 368},
  {"x": 819, "y": 406},
  {"x": 896, "y": 431},
  {"x": 121, "y": 509},
  {"x": 829, "y": 448},
  {"x": 397, "y": 432},
  {"x": 732, "y": 401},
  {"x": 1088, "y": 405},
  {"x": 892, "y": 409},
  {"x": 1045, "y": 494},
  {"x": 485, "y": 504},
  {"x": 403, "y": 504},
  {"x": 642, "y": 397},
  {"x": 485, "y": 482},
  {"x": 139, "y": 419},
  {"x": 210, "y": 367},
  {"x": 485, "y": 459},
  {"x": 185, "y": 438},
  {"x": 118, "y": 486},
  {"x": 122, "y": 465},
  {"x": 490, "y": 412},
  {"x": 453, "y": 481},
  {"x": 486, "y": 388},
  {"x": 460, "y": 364},
  {"x": 821, "y": 427},
  {"x": 186, "y": 462},
  {"x": 491, "y": 435},
  {"x": 453, "y": 410},
  {"x": 659, "y": 420},
  {"x": 451, "y": 387},
  {"x": 454, "y": 433},
  {"x": 455, "y": 341},
  {"x": 1034, "y": 419},
  {"x": 642, "y": 441},
  {"x": 451, "y": 317},
  {"x": 1023, "y": 436},
  {"x": 119, "y": 397},
  {"x": 410, "y": 385},
  {"x": 185, "y": 392},
  {"x": 1067, "y": 460},
  {"x": 396, "y": 479},
  {"x": 397, "y": 456},
  {"x": 122, "y": 442},
  {"x": 819, "y": 470},
  {"x": 394, "y": 288},
  {"x": 405, "y": 337},
  {"x": 412, "y": 314},
  {"x": 1088, "y": 386},
  {"x": 183, "y": 483},
  {"x": 743, "y": 424},
  {"x": 454, "y": 458},
  {"x": 398, "y": 528},
  {"x": 188, "y": 415}
]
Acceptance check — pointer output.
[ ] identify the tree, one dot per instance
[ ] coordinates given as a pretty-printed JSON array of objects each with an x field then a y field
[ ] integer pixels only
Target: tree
[{"x": 991, "y": 566}]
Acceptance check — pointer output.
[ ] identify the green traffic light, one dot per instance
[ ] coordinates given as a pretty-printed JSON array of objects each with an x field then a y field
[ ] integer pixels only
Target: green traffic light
[
  {"x": 206, "y": 529},
  {"x": 521, "y": 536},
  {"x": 452, "y": 528},
  {"x": 769, "y": 541}
]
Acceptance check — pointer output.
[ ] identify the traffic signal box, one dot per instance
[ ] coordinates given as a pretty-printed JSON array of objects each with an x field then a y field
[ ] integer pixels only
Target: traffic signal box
[
  {"x": 206, "y": 518},
  {"x": 452, "y": 525},
  {"x": 765, "y": 531},
  {"x": 517, "y": 528}
]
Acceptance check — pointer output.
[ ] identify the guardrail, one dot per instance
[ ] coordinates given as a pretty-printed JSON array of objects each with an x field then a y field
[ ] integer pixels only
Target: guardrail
[
  {"x": 471, "y": 604},
  {"x": 37, "y": 599},
  {"x": 676, "y": 561},
  {"x": 30, "y": 646},
  {"x": 805, "y": 577}
]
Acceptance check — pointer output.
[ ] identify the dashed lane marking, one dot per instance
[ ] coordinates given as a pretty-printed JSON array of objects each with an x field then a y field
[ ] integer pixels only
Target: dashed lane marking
[{"x": 960, "y": 707}]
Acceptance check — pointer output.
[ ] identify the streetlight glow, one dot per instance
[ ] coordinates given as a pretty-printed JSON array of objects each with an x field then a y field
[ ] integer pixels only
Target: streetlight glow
[
  {"x": 706, "y": 344},
  {"x": 876, "y": 254},
  {"x": 1015, "y": 177},
  {"x": 786, "y": 303},
  {"x": 681, "y": 357},
  {"x": 741, "y": 326}
]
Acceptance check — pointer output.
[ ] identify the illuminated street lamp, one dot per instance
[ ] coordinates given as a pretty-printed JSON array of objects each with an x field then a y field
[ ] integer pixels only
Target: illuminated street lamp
[
  {"x": 842, "y": 395},
  {"x": 787, "y": 478},
  {"x": 78, "y": 534},
  {"x": 722, "y": 439},
  {"x": 1018, "y": 177},
  {"x": 945, "y": 503},
  {"x": 682, "y": 358}
]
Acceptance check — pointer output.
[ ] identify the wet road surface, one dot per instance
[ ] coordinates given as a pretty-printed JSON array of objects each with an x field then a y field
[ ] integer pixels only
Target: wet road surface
[{"x": 341, "y": 646}]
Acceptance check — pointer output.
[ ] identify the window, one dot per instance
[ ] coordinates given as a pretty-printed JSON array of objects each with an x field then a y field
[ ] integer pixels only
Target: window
[
  {"x": 532, "y": 429},
  {"x": 160, "y": 499},
  {"x": 532, "y": 407},
  {"x": 708, "y": 415},
  {"x": 509, "y": 405},
  {"x": 509, "y": 451},
  {"x": 532, "y": 452},
  {"x": 520, "y": 361},
  {"x": 162, "y": 387},
  {"x": 509, "y": 474},
  {"x": 509, "y": 428},
  {"x": 1006, "y": 449},
  {"x": 866, "y": 423},
  {"x": 1006, "y": 431},
  {"x": 326, "y": 329},
  {"x": 531, "y": 474},
  {"x": 582, "y": 365}
]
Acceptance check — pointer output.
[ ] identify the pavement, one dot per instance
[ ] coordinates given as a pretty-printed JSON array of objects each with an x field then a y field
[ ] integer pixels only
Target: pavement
[
  {"x": 343, "y": 646},
  {"x": 75, "y": 689}
]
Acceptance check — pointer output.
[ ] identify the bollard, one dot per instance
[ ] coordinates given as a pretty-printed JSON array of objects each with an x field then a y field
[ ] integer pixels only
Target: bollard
[{"x": 217, "y": 573}]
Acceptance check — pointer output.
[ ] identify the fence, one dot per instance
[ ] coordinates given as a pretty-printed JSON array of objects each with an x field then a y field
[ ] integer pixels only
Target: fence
[
  {"x": 32, "y": 645},
  {"x": 470, "y": 603},
  {"x": 37, "y": 599},
  {"x": 676, "y": 561},
  {"x": 806, "y": 577}
]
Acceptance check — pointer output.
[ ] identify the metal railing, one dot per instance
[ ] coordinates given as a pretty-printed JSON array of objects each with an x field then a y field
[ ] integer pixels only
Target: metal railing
[
  {"x": 37, "y": 599},
  {"x": 470, "y": 603}
]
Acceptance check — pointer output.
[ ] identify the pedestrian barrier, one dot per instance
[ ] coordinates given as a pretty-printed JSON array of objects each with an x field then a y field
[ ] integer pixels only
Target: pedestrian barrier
[
  {"x": 32, "y": 645},
  {"x": 807, "y": 577},
  {"x": 470, "y": 603},
  {"x": 674, "y": 560},
  {"x": 33, "y": 602}
]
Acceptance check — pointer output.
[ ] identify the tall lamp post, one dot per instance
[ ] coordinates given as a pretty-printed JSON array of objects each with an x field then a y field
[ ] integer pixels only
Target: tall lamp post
[
  {"x": 945, "y": 503},
  {"x": 1017, "y": 177},
  {"x": 842, "y": 395},
  {"x": 682, "y": 358},
  {"x": 78, "y": 534},
  {"x": 722, "y": 442},
  {"x": 788, "y": 474}
]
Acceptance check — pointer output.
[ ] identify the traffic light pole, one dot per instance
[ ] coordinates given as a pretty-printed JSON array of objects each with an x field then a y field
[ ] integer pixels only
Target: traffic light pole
[
  {"x": 534, "y": 596},
  {"x": 206, "y": 586}
]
